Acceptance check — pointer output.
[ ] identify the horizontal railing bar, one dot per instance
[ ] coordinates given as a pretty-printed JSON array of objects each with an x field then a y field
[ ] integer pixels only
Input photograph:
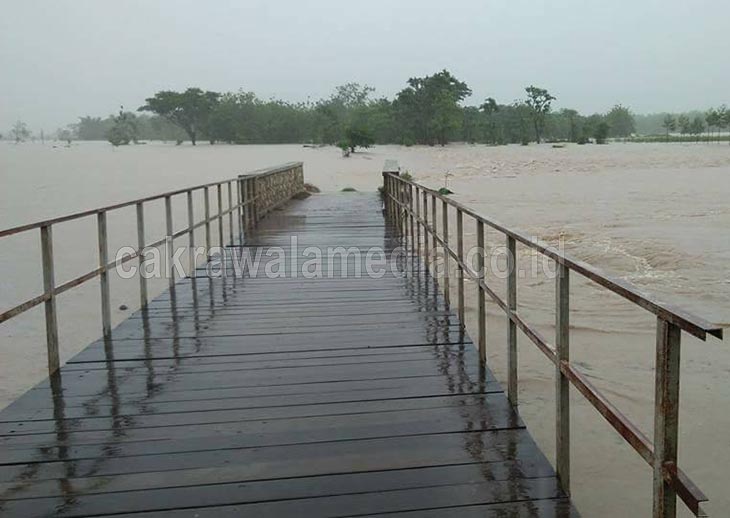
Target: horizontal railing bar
[
  {"x": 92, "y": 212},
  {"x": 690, "y": 494},
  {"x": 613, "y": 415},
  {"x": 23, "y": 307},
  {"x": 690, "y": 323},
  {"x": 77, "y": 281},
  {"x": 535, "y": 337}
]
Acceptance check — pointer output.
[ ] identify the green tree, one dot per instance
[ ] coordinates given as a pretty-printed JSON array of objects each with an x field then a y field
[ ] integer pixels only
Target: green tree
[
  {"x": 489, "y": 108},
  {"x": 66, "y": 134},
  {"x": 669, "y": 124},
  {"x": 538, "y": 100},
  {"x": 472, "y": 125},
  {"x": 601, "y": 132},
  {"x": 358, "y": 137},
  {"x": 124, "y": 129},
  {"x": 566, "y": 124},
  {"x": 684, "y": 124},
  {"x": 352, "y": 95},
  {"x": 19, "y": 132},
  {"x": 621, "y": 121},
  {"x": 189, "y": 110},
  {"x": 722, "y": 121},
  {"x": 712, "y": 117},
  {"x": 428, "y": 108},
  {"x": 697, "y": 127},
  {"x": 94, "y": 128}
]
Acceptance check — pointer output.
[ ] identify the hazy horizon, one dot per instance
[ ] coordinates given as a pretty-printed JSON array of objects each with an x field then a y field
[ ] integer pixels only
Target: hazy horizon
[{"x": 63, "y": 60}]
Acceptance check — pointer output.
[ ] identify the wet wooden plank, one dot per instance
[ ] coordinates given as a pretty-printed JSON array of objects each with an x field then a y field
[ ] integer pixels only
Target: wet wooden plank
[
  {"x": 229, "y": 491},
  {"x": 333, "y": 396}
]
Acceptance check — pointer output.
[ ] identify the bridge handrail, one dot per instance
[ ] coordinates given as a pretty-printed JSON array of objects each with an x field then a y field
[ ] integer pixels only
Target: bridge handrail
[
  {"x": 256, "y": 194},
  {"x": 406, "y": 204}
]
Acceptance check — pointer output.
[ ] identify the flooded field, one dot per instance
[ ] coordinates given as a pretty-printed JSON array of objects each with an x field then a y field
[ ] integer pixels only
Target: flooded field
[{"x": 654, "y": 214}]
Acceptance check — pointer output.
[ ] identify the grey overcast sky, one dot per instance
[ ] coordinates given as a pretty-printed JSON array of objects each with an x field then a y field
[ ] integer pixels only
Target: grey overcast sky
[{"x": 60, "y": 59}]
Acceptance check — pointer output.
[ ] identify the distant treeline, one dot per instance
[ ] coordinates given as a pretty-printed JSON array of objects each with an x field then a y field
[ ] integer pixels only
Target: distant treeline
[{"x": 429, "y": 110}]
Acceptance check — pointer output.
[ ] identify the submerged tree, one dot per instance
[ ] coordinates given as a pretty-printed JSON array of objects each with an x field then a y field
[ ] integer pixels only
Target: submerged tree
[
  {"x": 684, "y": 124},
  {"x": 669, "y": 124},
  {"x": 713, "y": 118},
  {"x": 358, "y": 137},
  {"x": 697, "y": 127},
  {"x": 124, "y": 129},
  {"x": 601, "y": 132},
  {"x": 538, "y": 100},
  {"x": 190, "y": 109},
  {"x": 621, "y": 121},
  {"x": 20, "y": 132},
  {"x": 723, "y": 120},
  {"x": 489, "y": 108},
  {"x": 66, "y": 134}
]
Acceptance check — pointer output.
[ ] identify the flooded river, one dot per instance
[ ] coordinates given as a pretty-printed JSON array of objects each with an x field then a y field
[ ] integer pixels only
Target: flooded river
[{"x": 656, "y": 215}]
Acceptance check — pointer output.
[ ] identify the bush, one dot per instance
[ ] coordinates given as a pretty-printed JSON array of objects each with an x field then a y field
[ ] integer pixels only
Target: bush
[
  {"x": 345, "y": 147},
  {"x": 601, "y": 133}
]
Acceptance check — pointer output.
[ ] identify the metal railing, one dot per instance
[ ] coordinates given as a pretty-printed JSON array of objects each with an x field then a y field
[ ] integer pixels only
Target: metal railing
[
  {"x": 256, "y": 194},
  {"x": 406, "y": 205}
]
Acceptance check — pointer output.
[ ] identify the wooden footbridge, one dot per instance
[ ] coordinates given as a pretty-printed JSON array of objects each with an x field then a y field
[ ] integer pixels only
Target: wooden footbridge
[{"x": 320, "y": 379}]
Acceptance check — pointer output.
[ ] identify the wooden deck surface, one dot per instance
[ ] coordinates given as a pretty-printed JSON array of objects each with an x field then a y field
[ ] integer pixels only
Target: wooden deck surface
[{"x": 280, "y": 397}]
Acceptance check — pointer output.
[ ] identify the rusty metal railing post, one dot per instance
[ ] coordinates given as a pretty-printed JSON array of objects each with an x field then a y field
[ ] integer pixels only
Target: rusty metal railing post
[
  {"x": 511, "y": 327},
  {"x": 392, "y": 193},
  {"x": 410, "y": 214},
  {"x": 169, "y": 242},
  {"x": 417, "y": 203},
  {"x": 206, "y": 205},
  {"x": 191, "y": 233},
  {"x": 434, "y": 243},
  {"x": 388, "y": 201},
  {"x": 141, "y": 258},
  {"x": 562, "y": 383},
  {"x": 481, "y": 277},
  {"x": 230, "y": 212},
  {"x": 424, "y": 195},
  {"x": 239, "y": 210},
  {"x": 401, "y": 207},
  {"x": 666, "y": 416},
  {"x": 103, "y": 246},
  {"x": 460, "y": 255},
  {"x": 219, "y": 192},
  {"x": 445, "y": 230},
  {"x": 49, "y": 287}
]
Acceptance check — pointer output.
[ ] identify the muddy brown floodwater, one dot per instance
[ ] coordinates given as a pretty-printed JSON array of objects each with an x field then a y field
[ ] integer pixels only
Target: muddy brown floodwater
[{"x": 654, "y": 214}]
